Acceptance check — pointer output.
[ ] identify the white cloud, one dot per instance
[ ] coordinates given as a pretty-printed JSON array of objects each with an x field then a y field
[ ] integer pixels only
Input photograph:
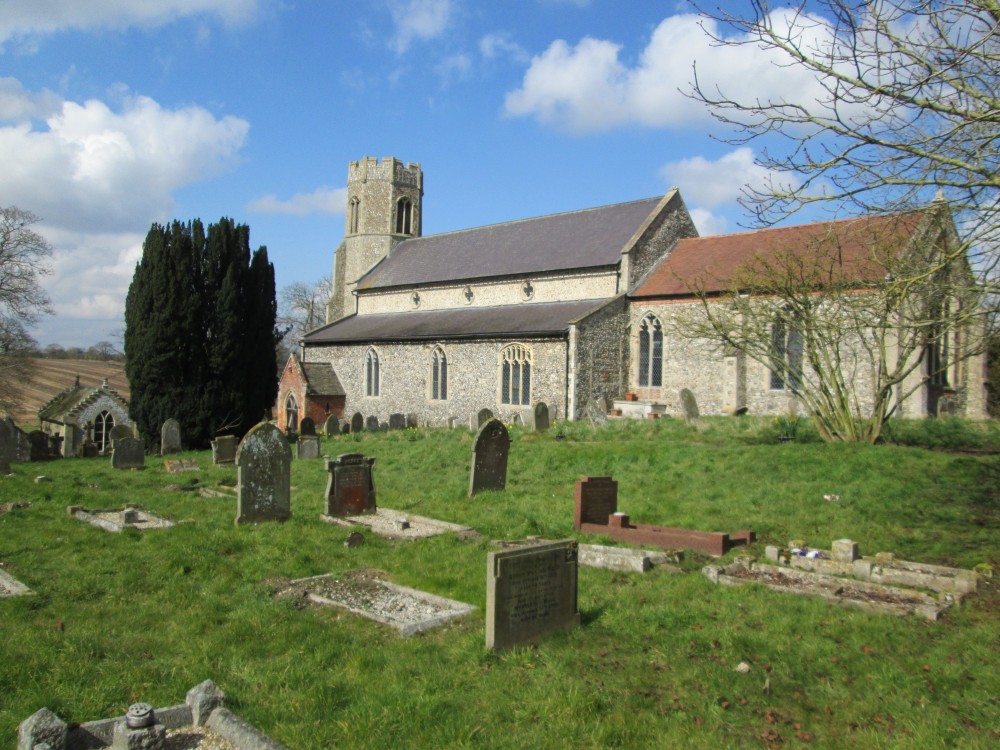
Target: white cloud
[
  {"x": 19, "y": 105},
  {"x": 708, "y": 223},
  {"x": 710, "y": 184},
  {"x": 323, "y": 200},
  {"x": 590, "y": 88},
  {"x": 492, "y": 46},
  {"x": 418, "y": 20},
  {"x": 19, "y": 19}
]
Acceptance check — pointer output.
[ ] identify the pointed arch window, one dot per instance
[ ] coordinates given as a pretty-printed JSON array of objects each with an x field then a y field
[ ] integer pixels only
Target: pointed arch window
[
  {"x": 353, "y": 215},
  {"x": 372, "y": 373},
  {"x": 439, "y": 375},
  {"x": 786, "y": 352},
  {"x": 291, "y": 413},
  {"x": 102, "y": 430},
  {"x": 515, "y": 375},
  {"x": 404, "y": 216},
  {"x": 650, "y": 352}
]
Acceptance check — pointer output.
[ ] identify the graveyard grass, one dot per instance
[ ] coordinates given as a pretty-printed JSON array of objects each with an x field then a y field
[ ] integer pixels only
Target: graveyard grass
[{"x": 119, "y": 618}]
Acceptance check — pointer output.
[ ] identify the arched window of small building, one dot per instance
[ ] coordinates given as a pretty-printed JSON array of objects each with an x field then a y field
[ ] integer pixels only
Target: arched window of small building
[
  {"x": 353, "y": 215},
  {"x": 786, "y": 352},
  {"x": 515, "y": 375},
  {"x": 439, "y": 375},
  {"x": 372, "y": 374},
  {"x": 404, "y": 216},
  {"x": 291, "y": 413},
  {"x": 102, "y": 430},
  {"x": 650, "y": 352}
]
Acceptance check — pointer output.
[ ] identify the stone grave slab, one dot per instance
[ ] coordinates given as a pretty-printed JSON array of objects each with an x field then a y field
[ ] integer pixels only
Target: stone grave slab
[
  {"x": 689, "y": 405},
  {"x": 371, "y": 424},
  {"x": 872, "y": 597},
  {"x": 118, "y": 519},
  {"x": 625, "y": 559},
  {"x": 332, "y": 425},
  {"x": 409, "y": 611},
  {"x": 397, "y": 421},
  {"x": 531, "y": 591},
  {"x": 307, "y": 426},
  {"x": 264, "y": 476},
  {"x": 120, "y": 431},
  {"x": 307, "y": 446},
  {"x": 128, "y": 453},
  {"x": 597, "y": 416},
  {"x": 14, "y": 445},
  {"x": 180, "y": 465},
  {"x": 350, "y": 488},
  {"x": 224, "y": 449},
  {"x": 595, "y": 512},
  {"x": 396, "y": 524},
  {"x": 39, "y": 442},
  {"x": 540, "y": 417},
  {"x": 170, "y": 437},
  {"x": 4, "y": 467},
  {"x": 489, "y": 458},
  {"x": 10, "y": 586},
  {"x": 480, "y": 418},
  {"x": 201, "y": 721},
  {"x": 357, "y": 422}
]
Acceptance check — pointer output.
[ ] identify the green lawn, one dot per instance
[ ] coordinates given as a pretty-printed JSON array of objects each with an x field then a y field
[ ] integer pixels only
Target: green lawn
[{"x": 118, "y": 618}]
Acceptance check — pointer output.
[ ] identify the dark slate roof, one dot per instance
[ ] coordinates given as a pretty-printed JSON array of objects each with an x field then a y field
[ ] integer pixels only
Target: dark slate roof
[
  {"x": 321, "y": 380},
  {"x": 65, "y": 406},
  {"x": 848, "y": 249},
  {"x": 590, "y": 238},
  {"x": 529, "y": 319}
]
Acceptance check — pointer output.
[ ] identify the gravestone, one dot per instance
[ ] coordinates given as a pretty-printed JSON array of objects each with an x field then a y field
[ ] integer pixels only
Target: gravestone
[
  {"x": 345, "y": 428},
  {"x": 39, "y": 442},
  {"x": 4, "y": 467},
  {"x": 397, "y": 421},
  {"x": 263, "y": 479},
  {"x": 87, "y": 449},
  {"x": 128, "y": 453},
  {"x": 453, "y": 422},
  {"x": 307, "y": 446},
  {"x": 489, "y": 458},
  {"x": 170, "y": 437},
  {"x": 531, "y": 591},
  {"x": 120, "y": 431},
  {"x": 224, "y": 449},
  {"x": 14, "y": 445},
  {"x": 598, "y": 416},
  {"x": 371, "y": 424},
  {"x": 602, "y": 404},
  {"x": 357, "y": 422},
  {"x": 350, "y": 488},
  {"x": 689, "y": 406},
  {"x": 332, "y": 425},
  {"x": 411, "y": 421},
  {"x": 482, "y": 417},
  {"x": 307, "y": 426},
  {"x": 540, "y": 417},
  {"x": 596, "y": 500}
]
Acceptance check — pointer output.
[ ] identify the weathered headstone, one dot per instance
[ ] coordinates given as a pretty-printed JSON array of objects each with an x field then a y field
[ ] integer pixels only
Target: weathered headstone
[
  {"x": 357, "y": 422},
  {"x": 307, "y": 426},
  {"x": 87, "y": 449},
  {"x": 540, "y": 417},
  {"x": 397, "y": 421},
  {"x": 489, "y": 458},
  {"x": 42, "y": 729},
  {"x": 14, "y": 445},
  {"x": 4, "y": 467},
  {"x": 596, "y": 500},
  {"x": 350, "y": 488},
  {"x": 120, "y": 431},
  {"x": 264, "y": 474},
  {"x": 128, "y": 453},
  {"x": 482, "y": 417},
  {"x": 598, "y": 416},
  {"x": 55, "y": 445},
  {"x": 689, "y": 406},
  {"x": 411, "y": 421},
  {"x": 371, "y": 424},
  {"x": 307, "y": 446},
  {"x": 224, "y": 449},
  {"x": 39, "y": 445},
  {"x": 531, "y": 591},
  {"x": 170, "y": 437},
  {"x": 602, "y": 404},
  {"x": 332, "y": 425},
  {"x": 453, "y": 422},
  {"x": 345, "y": 428}
]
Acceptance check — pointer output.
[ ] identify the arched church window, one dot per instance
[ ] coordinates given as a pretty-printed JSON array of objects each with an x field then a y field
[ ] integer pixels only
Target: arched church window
[
  {"x": 404, "y": 216},
  {"x": 439, "y": 375},
  {"x": 102, "y": 430},
  {"x": 650, "y": 352},
  {"x": 515, "y": 375},
  {"x": 786, "y": 352},
  {"x": 291, "y": 413},
  {"x": 353, "y": 214},
  {"x": 372, "y": 374}
]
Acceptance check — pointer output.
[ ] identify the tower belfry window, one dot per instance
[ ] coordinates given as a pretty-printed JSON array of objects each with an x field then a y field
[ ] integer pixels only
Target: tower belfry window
[
  {"x": 404, "y": 216},
  {"x": 352, "y": 215}
]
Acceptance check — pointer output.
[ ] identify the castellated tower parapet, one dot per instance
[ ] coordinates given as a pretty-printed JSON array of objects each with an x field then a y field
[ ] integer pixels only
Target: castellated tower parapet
[{"x": 384, "y": 201}]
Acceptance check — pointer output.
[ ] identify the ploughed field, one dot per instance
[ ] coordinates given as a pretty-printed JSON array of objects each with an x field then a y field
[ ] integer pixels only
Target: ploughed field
[{"x": 50, "y": 377}]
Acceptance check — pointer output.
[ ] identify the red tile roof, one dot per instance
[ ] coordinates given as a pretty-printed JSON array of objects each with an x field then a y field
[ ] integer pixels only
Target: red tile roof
[{"x": 848, "y": 250}]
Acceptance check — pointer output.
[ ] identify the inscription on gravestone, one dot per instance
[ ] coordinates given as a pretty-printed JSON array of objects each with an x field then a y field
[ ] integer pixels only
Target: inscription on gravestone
[
  {"x": 531, "y": 591},
  {"x": 357, "y": 422},
  {"x": 596, "y": 499},
  {"x": 264, "y": 476},
  {"x": 489, "y": 458},
  {"x": 332, "y": 425},
  {"x": 307, "y": 446},
  {"x": 540, "y": 417},
  {"x": 170, "y": 437},
  {"x": 307, "y": 426},
  {"x": 128, "y": 453},
  {"x": 350, "y": 488}
]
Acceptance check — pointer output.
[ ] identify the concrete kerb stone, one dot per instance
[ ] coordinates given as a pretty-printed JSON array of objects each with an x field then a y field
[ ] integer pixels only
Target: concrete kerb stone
[
  {"x": 10, "y": 586},
  {"x": 240, "y": 732},
  {"x": 625, "y": 559}
]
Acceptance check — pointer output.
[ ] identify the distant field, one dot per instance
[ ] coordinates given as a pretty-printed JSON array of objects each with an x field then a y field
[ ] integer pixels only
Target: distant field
[{"x": 52, "y": 376}]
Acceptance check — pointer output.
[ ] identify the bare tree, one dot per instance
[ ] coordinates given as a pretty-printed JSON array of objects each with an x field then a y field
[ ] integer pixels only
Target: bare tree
[
  {"x": 22, "y": 299},
  {"x": 302, "y": 307},
  {"x": 909, "y": 106}
]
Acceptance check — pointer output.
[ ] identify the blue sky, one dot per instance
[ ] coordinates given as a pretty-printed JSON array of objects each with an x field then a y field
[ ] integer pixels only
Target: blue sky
[{"x": 115, "y": 114}]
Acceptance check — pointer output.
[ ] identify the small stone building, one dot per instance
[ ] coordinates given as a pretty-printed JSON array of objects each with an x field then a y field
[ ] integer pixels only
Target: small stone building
[
  {"x": 79, "y": 408},
  {"x": 308, "y": 389}
]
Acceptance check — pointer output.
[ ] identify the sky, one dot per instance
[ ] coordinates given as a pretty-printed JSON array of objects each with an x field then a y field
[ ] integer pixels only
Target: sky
[{"x": 115, "y": 114}]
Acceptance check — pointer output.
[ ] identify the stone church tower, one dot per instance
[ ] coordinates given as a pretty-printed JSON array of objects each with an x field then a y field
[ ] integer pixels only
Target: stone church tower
[{"x": 384, "y": 199}]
